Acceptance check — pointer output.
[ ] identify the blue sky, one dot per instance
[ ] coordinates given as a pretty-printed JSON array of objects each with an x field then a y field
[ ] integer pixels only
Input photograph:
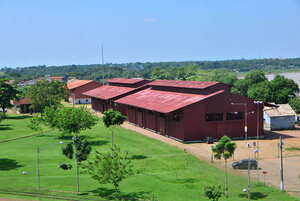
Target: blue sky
[{"x": 58, "y": 32}]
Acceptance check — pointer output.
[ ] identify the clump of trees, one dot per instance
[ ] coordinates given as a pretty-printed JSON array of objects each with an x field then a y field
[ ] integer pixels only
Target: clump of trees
[
  {"x": 47, "y": 94},
  {"x": 68, "y": 120},
  {"x": 8, "y": 92}
]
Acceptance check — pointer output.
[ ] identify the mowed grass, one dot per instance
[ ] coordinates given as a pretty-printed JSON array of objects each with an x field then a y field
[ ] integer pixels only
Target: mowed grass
[{"x": 160, "y": 169}]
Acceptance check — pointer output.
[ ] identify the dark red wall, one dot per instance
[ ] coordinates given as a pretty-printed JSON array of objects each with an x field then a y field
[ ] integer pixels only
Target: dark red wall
[{"x": 196, "y": 127}]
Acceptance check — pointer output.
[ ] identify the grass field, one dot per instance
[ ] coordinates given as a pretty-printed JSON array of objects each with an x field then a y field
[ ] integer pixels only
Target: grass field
[{"x": 160, "y": 169}]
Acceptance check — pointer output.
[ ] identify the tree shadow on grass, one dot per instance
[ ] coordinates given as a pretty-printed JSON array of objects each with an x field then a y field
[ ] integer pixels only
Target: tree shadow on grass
[
  {"x": 9, "y": 164},
  {"x": 138, "y": 157},
  {"x": 98, "y": 142},
  {"x": 187, "y": 180},
  {"x": 18, "y": 117},
  {"x": 254, "y": 195},
  {"x": 5, "y": 127},
  {"x": 111, "y": 195}
]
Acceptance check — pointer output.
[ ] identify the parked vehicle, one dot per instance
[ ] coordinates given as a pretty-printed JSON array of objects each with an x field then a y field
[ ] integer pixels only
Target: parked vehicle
[
  {"x": 208, "y": 140},
  {"x": 1, "y": 110},
  {"x": 243, "y": 164}
]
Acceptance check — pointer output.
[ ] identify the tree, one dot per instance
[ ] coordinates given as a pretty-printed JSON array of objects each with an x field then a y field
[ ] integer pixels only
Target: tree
[
  {"x": 295, "y": 104},
  {"x": 46, "y": 94},
  {"x": 158, "y": 74},
  {"x": 36, "y": 124},
  {"x": 253, "y": 77},
  {"x": 80, "y": 150},
  {"x": 110, "y": 168},
  {"x": 283, "y": 89},
  {"x": 111, "y": 119},
  {"x": 213, "y": 193},
  {"x": 69, "y": 120},
  {"x": 2, "y": 117},
  {"x": 260, "y": 91},
  {"x": 7, "y": 93},
  {"x": 224, "y": 149}
]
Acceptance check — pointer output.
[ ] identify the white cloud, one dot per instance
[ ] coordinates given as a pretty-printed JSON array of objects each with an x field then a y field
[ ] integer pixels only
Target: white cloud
[{"x": 149, "y": 19}]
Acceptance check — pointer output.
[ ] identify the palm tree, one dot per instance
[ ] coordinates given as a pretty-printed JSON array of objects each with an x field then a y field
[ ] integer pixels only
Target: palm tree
[{"x": 224, "y": 149}]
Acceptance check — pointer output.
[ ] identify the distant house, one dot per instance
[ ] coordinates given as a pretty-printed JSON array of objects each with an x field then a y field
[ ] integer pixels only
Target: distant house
[
  {"x": 23, "y": 105},
  {"x": 78, "y": 87},
  {"x": 49, "y": 78},
  {"x": 279, "y": 117}
]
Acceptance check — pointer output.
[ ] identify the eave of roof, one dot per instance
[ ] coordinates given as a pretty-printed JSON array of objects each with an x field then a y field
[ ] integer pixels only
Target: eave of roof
[
  {"x": 162, "y": 101},
  {"x": 183, "y": 84},
  {"x": 125, "y": 80},
  {"x": 22, "y": 101},
  {"x": 280, "y": 110},
  {"x": 109, "y": 91},
  {"x": 78, "y": 83}
]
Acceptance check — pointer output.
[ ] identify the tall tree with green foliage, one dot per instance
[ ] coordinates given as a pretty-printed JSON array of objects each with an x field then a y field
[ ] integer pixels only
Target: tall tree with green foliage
[
  {"x": 46, "y": 94},
  {"x": 110, "y": 168},
  {"x": 224, "y": 149},
  {"x": 8, "y": 93},
  {"x": 111, "y": 119},
  {"x": 283, "y": 89},
  {"x": 253, "y": 77},
  {"x": 295, "y": 104},
  {"x": 69, "y": 120},
  {"x": 80, "y": 150}
]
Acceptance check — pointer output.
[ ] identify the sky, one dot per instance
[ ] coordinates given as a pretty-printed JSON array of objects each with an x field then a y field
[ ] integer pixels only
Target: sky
[{"x": 62, "y": 32}]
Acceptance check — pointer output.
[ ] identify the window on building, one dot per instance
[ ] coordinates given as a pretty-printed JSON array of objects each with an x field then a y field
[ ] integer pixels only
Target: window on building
[
  {"x": 234, "y": 115},
  {"x": 131, "y": 107},
  {"x": 86, "y": 100},
  {"x": 150, "y": 112},
  {"x": 214, "y": 117},
  {"x": 140, "y": 110}
]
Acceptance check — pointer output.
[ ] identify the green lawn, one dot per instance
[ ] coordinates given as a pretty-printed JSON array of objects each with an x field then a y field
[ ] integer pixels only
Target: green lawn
[{"x": 160, "y": 169}]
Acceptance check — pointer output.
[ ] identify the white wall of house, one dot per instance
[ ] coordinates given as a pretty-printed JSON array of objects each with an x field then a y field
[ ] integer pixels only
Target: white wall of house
[{"x": 81, "y": 100}]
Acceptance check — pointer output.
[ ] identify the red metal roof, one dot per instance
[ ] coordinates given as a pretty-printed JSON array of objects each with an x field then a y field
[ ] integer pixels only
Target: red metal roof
[
  {"x": 108, "y": 91},
  {"x": 78, "y": 83},
  {"x": 125, "y": 80},
  {"x": 162, "y": 101},
  {"x": 183, "y": 84},
  {"x": 22, "y": 101},
  {"x": 56, "y": 78}
]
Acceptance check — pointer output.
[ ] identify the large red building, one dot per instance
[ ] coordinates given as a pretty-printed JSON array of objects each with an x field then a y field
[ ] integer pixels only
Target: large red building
[
  {"x": 191, "y": 110},
  {"x": 103, "y": 98},
  {"x": 78, "y": 87}
]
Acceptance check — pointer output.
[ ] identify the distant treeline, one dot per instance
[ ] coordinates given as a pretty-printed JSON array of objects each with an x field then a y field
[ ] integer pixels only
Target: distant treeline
[{"x": 145, "y": 70}]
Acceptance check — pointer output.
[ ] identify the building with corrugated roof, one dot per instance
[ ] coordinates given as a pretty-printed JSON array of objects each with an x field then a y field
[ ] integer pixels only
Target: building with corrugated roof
[
  {"x": 23, "y": 105},
  {"x": 77, "y": 88},
  {"x": 189, "y": 111},
  {"x": 279, "y": 117},
  {"x": 103, "y": 98}
]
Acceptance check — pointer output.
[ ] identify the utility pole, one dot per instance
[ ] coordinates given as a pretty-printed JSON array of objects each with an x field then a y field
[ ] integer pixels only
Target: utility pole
[
  {"x": 281, "y": 166},
  {"x": 102, "y": 67}
]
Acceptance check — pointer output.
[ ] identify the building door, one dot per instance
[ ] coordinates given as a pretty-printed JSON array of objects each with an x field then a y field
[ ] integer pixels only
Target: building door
[
  {"x": 162, "y": 124},
  {"x": 140, "y": 117}
]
